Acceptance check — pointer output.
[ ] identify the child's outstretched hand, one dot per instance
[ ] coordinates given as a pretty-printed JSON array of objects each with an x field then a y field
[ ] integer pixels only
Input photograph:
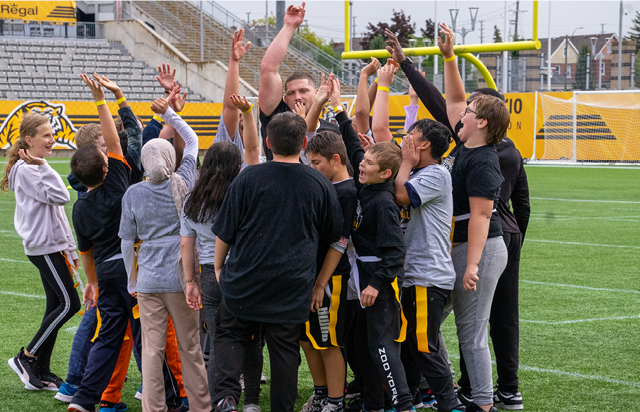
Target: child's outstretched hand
[
  {"x": 241, "y": 102},
  {"x": 371, "y": 68},
  {"x": 324, "y": 91},
  {"x": 179, "y": 101},
  {"x": 96, "y": 89},
  {"x": 386, "y": 75},
  {"x": 108, "y": 84},
  {"x": 446, "y": 48},
  {"x": 165, "y": 77},
  {"x": 365, "y": 141},
  {"x": 237, "y": 49},
  {"x": 336, "y": 99}
]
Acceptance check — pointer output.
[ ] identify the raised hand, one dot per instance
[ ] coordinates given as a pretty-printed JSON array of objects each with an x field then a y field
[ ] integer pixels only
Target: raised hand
[
  {"x": 324, "y": 91},
  {"x": 371, "y": 68},
  {"x": 336, "y": 99},
  {"x": 28, "y": 159},
  {"x": 446, "y": 48},
  {"x": 175, "y": 91},
  {"x": 96, "y": 89},
  {"x": 294, "y": 15},
  {"x": 394, "y": 64},
  {"x": 237, "y": 50},
  {"x": 177, "y": 104},
  {"x": 365, "y": 141},
  {"x": 160, "y": 105},
  {"x": 241, "y": 102},
  {"x": 165, "y": 77},
  {"x": 386, "y": 75},
  {"x": 108, "y": 84},
  {"x": 410, "y": 152},
  {"x": 394, "y": 47},
  {"x": 300, "y": 110}
]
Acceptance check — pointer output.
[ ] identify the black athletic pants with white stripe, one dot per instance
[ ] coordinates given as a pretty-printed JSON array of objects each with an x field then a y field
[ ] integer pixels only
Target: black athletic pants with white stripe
[{"x": 62, "y": 303}]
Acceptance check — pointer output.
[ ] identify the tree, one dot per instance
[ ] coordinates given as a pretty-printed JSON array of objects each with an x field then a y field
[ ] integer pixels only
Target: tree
[
  {"x": 429, "y": 29},
  {"x": 497, "y": 37},
  {"x": 581, "y": 70},
  {"x": 634, "y": 32},
  {"x": 400, "y": 25},
  {"x": 378, "y": 43}
]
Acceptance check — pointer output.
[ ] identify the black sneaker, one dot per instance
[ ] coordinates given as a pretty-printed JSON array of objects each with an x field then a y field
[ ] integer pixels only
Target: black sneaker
[
  {"x": 50, "y": 381},
  {"x": 506, "y": 400},
  {"x": 113, "y": 407},
  {"x": 25, "y": 367},
  {"x": 466, "y": 400},
  {"x": 352, "y": 390},
  {"x": 355, "y": 404},
  {"x": 417, "y": 400},
  {"x": 228, "y": 404},
  {"x": 429, "y": 401}
]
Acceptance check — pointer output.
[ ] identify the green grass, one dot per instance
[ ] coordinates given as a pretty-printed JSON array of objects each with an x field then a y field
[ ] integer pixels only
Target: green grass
[{"x": 564, "y": 366}]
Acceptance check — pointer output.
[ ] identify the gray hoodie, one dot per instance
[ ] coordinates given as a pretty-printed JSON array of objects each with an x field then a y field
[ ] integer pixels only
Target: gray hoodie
[{"x": 40, "y": 219}]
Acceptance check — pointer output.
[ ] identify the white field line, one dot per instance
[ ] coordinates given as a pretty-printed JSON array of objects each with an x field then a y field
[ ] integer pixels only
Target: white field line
[
  {"x": 24, "y": 295},
  {"x": 569, "y": 374},
  {"x": 15, "y": 261},
  {"x": 582, "y": 244},
  {"x": 584, "y": 200},
  {"x": 580, "y": 287},
  {"x": 564, "y": 322},
  {"x": 561, "y": 219}
]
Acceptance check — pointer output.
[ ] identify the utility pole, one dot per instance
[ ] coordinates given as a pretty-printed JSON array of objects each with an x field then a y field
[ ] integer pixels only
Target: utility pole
[
  {"x": 549, "y": 50},
  {"x": 602, "y": 31},
  {"x": 201, "y": 32},
  {"x": 435, "y": 36},
  {"x": 281, "y": 7},
  {"x": 481, "y": 31},
  {"x": 566, "y": 57},
  {"x": 620, "y": 49},
  {"x": 515, "y": 33},
  {"x": 505, "y": 54}
]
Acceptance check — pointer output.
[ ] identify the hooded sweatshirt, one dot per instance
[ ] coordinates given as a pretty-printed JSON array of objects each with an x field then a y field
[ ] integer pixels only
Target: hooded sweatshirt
[{"x": 40, "y": 219}]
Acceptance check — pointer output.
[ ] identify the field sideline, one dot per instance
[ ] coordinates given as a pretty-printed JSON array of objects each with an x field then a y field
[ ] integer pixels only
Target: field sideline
[{"x": 579, "y": 298}]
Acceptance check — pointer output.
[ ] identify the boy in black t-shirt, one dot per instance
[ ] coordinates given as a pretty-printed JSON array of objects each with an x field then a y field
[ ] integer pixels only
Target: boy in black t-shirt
[
  {"x": 379, "y": 271},
  {"x": 96, "y": 218},
  {"x": 323, "y": 334},
  {"x": 267, "y": 281}
]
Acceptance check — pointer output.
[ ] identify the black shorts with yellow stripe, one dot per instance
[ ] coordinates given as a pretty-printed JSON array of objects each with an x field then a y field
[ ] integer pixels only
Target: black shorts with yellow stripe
[{"x": 326, "y": 327}]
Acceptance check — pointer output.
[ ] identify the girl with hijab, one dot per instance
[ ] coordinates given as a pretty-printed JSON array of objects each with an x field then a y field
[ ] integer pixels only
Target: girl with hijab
[{"x": 151, "y": 213}]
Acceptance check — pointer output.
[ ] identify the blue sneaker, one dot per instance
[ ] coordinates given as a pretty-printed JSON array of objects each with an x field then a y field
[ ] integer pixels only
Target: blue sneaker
[
  {"x": 185, "y": 405},
  {"x": 113, "y": 407},
  {"x": 65, "y": 393},
  {"x": 138, "y": 394}
]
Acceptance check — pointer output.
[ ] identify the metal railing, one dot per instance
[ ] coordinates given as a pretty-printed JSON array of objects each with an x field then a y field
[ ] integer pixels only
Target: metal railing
[{"x": 48, "y": 29}]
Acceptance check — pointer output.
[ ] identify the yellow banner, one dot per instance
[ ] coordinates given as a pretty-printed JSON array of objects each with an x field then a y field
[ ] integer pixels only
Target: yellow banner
[
  {"x": 38, "y": 10},
  {"x": 66, "y": 117}
]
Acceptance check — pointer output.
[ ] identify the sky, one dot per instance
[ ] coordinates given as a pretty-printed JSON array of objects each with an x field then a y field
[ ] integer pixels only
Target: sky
[{"x": 326, "y": 18}]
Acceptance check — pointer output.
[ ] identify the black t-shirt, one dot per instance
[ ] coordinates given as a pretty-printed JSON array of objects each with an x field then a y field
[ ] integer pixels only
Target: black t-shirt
[
  {"x": 96, "y": 219},
  {"x": 274, "y": 216},
  {"x": 282, "y": 108},
  {"x": 475, "y": 173},
  {"x": 347, "y": 196}
]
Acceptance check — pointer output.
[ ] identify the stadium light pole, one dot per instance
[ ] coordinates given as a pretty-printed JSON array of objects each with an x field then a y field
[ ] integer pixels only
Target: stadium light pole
[
  {"x": 593, "y": 41},
  {"x": 454, "y": 18}
]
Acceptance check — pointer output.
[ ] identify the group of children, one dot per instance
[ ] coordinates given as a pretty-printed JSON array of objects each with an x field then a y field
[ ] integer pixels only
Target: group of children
[{"x": 344, "y": 243}]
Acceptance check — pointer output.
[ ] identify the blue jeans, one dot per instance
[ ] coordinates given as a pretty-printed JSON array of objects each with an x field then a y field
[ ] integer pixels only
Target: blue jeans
[{"x": 81, "y": 346}]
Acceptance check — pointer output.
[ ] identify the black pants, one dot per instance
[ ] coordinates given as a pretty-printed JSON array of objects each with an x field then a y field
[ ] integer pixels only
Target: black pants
[
  {"x": 62, "y": 304},
  {"x": 377, "y": 329},
  {"x": 233, "y": 339},
  {"x": 114, "y": 304},
  {"x": 504, "y": 324},
  {"x": 350, "y": 350},
  {"x": 421, "y": 351}
]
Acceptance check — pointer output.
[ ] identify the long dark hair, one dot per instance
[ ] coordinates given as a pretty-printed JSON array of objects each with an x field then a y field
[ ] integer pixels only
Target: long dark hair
[{"x": 220, "y": 166}]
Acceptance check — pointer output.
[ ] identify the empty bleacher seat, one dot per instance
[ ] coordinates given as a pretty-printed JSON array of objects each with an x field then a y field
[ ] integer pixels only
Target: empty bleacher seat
[
  {"x": 12, "y": 95},
  {"x": 11, "y": 49},
  {"x": 62, "y": 96},
  {"x": 78, "y": 89},
  {"x": 50, "y": 95},
  {"x": 24, "y": 95},
  {"x": 75, "y": 96},
  {"x": 35, "y": 49},
  {"x": 37, "y": 95},
  {"x": 65, "y": 88},
  {"x": 137, "y": 89}
]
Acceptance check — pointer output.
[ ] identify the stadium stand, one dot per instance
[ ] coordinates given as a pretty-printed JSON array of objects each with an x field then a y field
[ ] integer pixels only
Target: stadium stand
[{"x": 49, "y": 69}]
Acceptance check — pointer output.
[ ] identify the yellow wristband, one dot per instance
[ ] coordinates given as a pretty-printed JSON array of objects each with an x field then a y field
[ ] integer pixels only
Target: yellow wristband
[
  {"x": 383, "y": 88},
  {"x": 191, "y": 281},
  {"x": 179, "y": 114},
  {"x": 249, "y": 109},
  {"x": 100, "y": 103},
  {"x": 158, "y": 118},
  {"x": 450, "y": 59},
  {"x": 122, "y": 99}
]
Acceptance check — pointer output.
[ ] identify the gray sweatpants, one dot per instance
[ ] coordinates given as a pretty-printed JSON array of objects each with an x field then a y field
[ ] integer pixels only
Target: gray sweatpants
[{"x": 472, "y": 310}]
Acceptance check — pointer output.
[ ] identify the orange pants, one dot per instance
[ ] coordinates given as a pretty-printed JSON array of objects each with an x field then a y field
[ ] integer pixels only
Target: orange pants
[
  {"x": 113, "y": 391},
  {"x": 173, "y": 356}
]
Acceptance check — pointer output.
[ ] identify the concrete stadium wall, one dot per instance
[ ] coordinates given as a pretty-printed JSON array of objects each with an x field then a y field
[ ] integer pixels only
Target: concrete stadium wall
[{"x": 145, "y": 44}]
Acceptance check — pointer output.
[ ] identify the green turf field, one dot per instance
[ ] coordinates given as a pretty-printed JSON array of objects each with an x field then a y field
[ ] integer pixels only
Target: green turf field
[{"x": 579, "y": 299}]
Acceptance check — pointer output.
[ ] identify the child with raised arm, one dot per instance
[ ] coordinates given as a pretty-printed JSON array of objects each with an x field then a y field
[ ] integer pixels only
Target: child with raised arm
[
  {"x": 42, "y": 223},
  {"x": 423, "y": 188},
  {"x": 365, "y": 97},
  {"x": 151, "y": 212},
  {"x": 380, "y": 251},
  {"x": 96, "y": 218}
]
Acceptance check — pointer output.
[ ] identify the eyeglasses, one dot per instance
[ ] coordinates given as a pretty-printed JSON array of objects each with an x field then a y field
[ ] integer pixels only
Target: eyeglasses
[{"x": 467, "y": 110}]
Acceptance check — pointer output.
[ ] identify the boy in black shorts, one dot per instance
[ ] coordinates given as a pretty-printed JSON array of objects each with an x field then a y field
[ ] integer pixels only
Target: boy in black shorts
[
  {"x": 380, "y": 251},
  {"x": 323, "y": 334}
]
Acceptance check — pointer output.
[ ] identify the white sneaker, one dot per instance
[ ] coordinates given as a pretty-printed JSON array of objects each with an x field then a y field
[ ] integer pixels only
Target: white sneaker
[
  {"x": 251, "y": 408},
  {"x": 263, "y": 379}
]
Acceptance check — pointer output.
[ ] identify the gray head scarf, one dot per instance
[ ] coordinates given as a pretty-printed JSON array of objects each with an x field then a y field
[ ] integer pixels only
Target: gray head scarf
[{"x": 159, "y": 161}]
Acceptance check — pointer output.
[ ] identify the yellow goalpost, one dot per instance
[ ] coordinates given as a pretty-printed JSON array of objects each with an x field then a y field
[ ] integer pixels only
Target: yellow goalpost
[{"x": 462, "y": 50}]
